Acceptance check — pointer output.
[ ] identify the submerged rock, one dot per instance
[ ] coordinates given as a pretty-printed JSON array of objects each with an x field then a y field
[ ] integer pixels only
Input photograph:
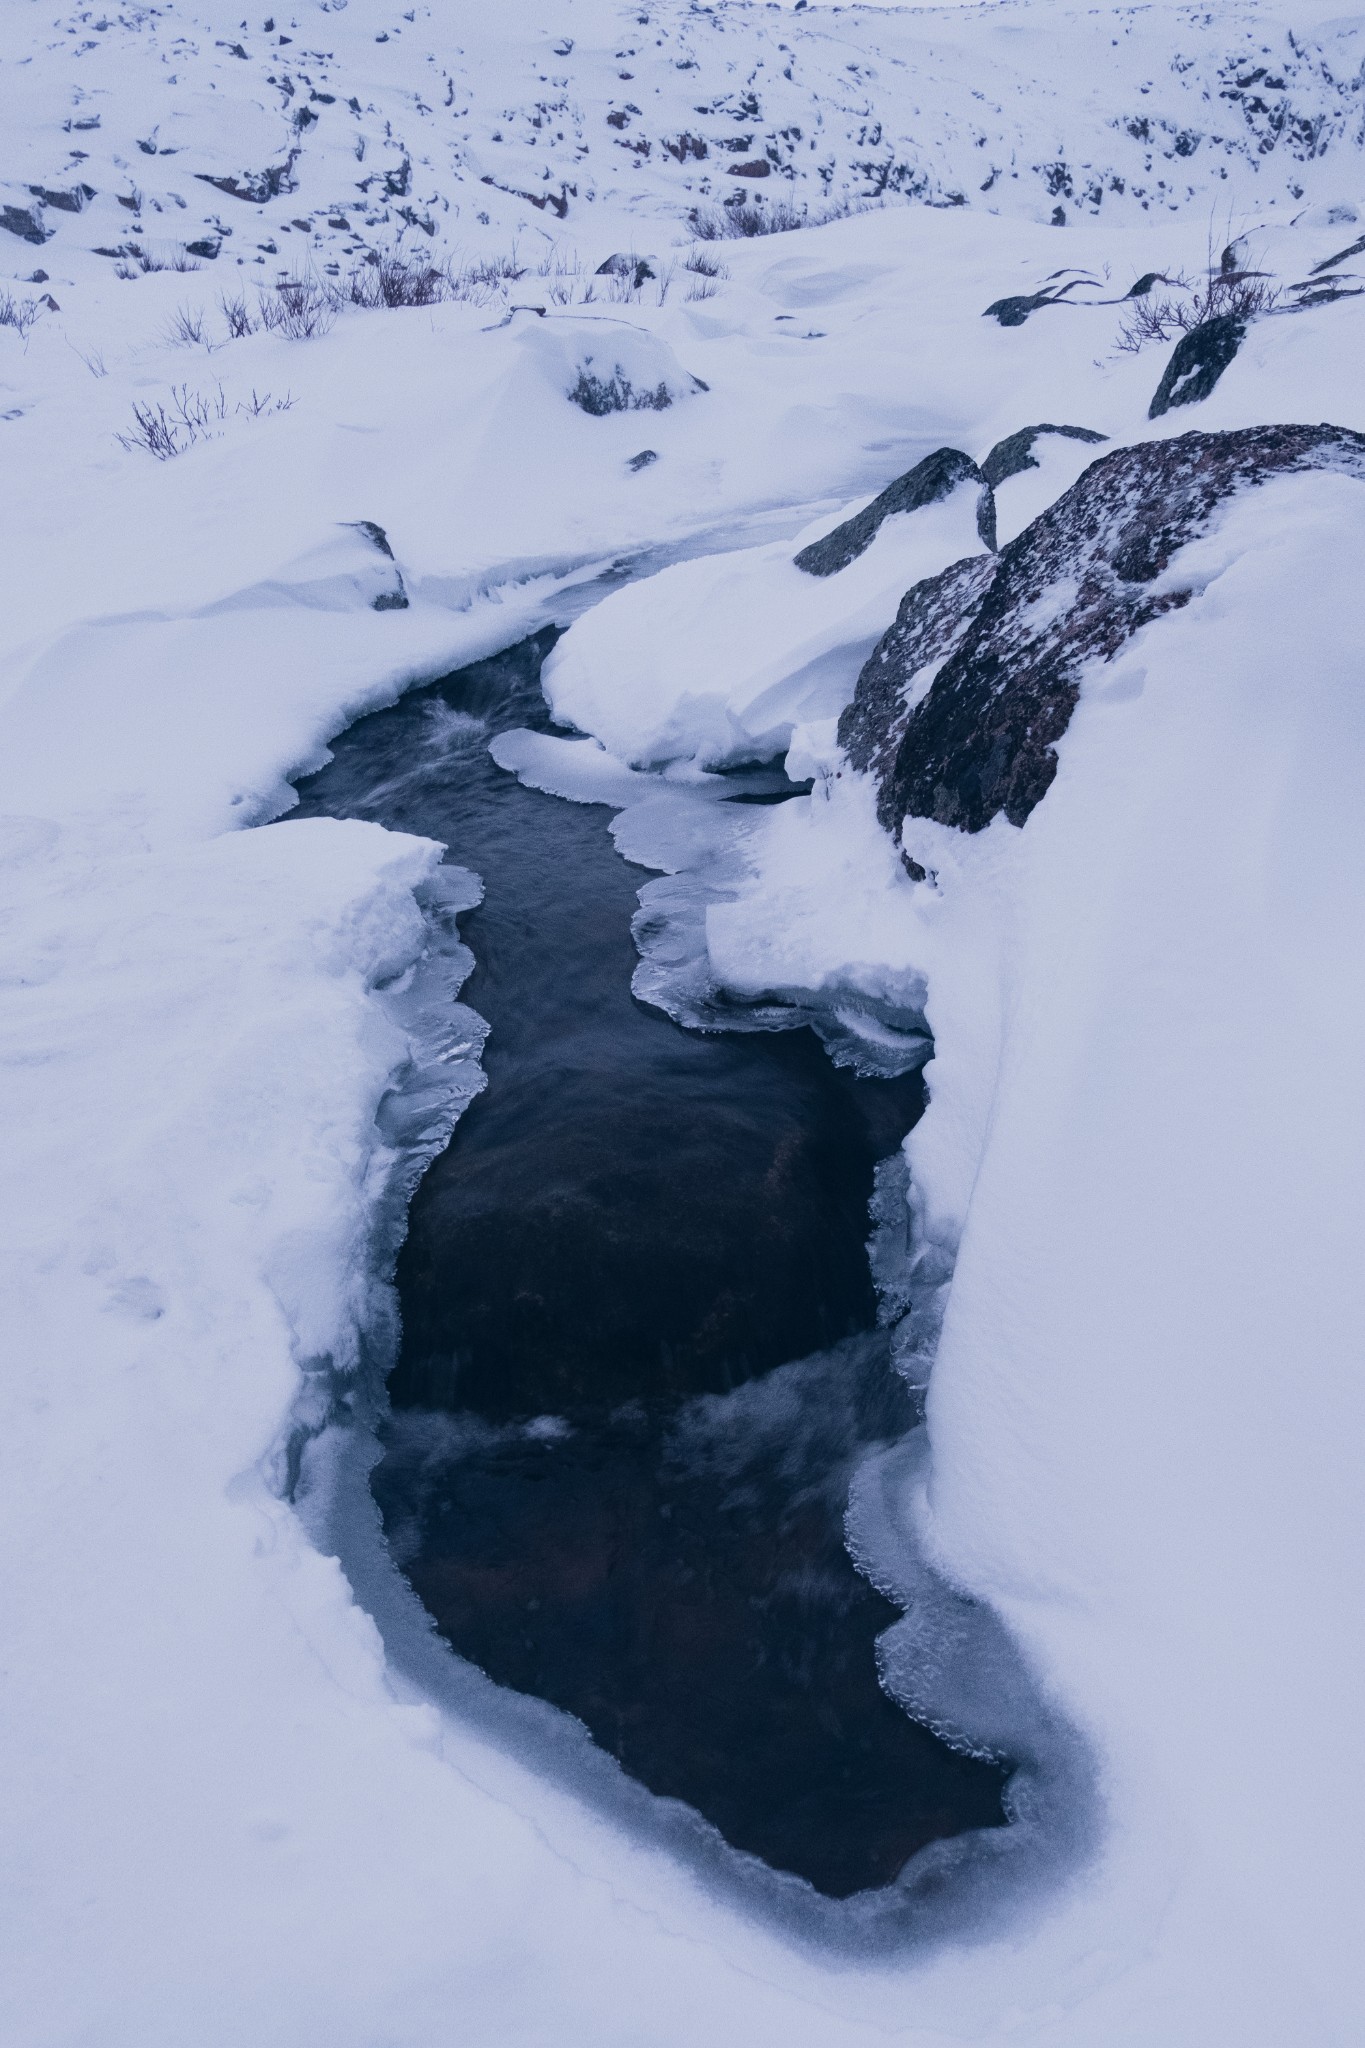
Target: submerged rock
[
  {"x": 1197, "y": 362},
  {"x": 936, "y": 477},
  {"x": 1015, "y": 452},
  {"x": 959, "y": 709}
]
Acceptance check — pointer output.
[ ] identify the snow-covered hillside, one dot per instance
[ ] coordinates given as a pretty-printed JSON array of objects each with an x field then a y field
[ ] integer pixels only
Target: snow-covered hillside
[
  {"x": 306, "y": 138},
  {"x": 1135, "y": 1199}
]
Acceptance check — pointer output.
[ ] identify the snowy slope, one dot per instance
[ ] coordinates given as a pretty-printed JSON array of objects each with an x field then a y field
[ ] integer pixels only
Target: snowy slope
[
  {"x": 228, "y": 1819},
  {"x": 461, "y": 125}
]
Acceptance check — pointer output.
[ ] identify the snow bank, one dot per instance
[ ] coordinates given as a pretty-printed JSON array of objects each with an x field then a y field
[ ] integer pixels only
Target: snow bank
[
  {"x": 1146, "y": 1398},
  {"x": 717, "y": 661}
]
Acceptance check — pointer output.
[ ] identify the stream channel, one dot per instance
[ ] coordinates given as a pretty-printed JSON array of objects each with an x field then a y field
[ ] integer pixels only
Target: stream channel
[{"x": 640, "y": 1355}]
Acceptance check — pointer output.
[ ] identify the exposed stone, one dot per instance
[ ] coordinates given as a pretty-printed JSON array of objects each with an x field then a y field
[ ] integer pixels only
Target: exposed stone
[
  {"x": 1197, "y": 362},
  {"x": 934, "y": 478},
  {"x": 374, "y": 534},
  {"x": 65, "y": 201},
  {"x": 1356, "y": 248},
  {"x": 257, "y": 186},
  {"x": 395, "y": 599},
  {"x": 26, "y": 222},
  {"x": 1014, "y": 312},
  {"x": 1015, "y": 452},
  {"x": 959, "y": 710},
  {"x": 636, "y": 268},
  {"x": 931, "y": 623}
]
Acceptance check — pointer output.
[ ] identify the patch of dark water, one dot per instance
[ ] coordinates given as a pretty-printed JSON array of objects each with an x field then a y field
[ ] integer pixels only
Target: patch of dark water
[{"x": 603, "y": 1473}]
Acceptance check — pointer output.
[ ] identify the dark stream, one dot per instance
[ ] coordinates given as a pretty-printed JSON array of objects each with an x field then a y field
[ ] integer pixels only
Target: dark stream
[{"x": 640, "y": 1356}]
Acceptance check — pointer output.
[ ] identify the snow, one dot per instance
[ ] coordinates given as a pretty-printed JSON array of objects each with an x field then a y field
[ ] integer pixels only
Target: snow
[
  {"x": 718, "y": 660},
  {"x": 232, "y": 1813}
]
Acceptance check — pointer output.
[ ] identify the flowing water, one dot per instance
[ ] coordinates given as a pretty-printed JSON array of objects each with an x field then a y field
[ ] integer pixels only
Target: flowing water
[{"x": 639, "y": 1355}]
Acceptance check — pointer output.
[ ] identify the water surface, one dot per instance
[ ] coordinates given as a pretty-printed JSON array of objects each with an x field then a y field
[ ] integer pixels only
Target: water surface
[{"x": 639, "y": 1355}]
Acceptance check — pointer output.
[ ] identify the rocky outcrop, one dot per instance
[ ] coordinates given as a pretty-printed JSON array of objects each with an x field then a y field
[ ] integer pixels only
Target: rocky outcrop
[
  {"x": 936, "y": 477},
  {"x": 1197, "y": 362},
  {"x": 959, "y": 710},
  {"x": 26, "y": 222},
  {"x": 257, "y": 186},
  {"x": 1015, "y": 452},
  {"x": 70, "y": 199}
]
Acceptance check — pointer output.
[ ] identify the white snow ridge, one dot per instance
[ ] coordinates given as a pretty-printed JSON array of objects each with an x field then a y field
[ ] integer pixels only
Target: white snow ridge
[{"x": 346, "y": 348}]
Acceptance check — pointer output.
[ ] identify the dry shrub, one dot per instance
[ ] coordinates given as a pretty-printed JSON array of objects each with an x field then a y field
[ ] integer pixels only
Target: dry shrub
[
  {"x": 164, "y": 430},
  {"x": 19, "y": 314},
  {"x": 237, "y": 314},
  {"x": 299, "y": 309},
  {"x": 397, "y": 281},
  {"x": 602, "y": 395},
  {"x": 1244, "y": 294},
  {"x": 187, "y": 328},
  {"x": 741, "y": 219}
]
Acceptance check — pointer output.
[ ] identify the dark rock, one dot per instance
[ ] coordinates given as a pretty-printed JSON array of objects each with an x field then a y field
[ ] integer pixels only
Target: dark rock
[
  {"x": 1014, "y": 312},
  {"x": 634, "y": 267},
  {"x": 1015, "y": 452},
  {"x": 1342, "y": 256},
  {"x": 207, "y": 248},
  {"x": 38, "y": 277},
  {"x": 25, "y": 222},
  {"x": 70, "y": 201},
  {"x": 1326, "y": 294},
  {"x": 1197, "y": 362},
  {"x": 934, "y": 478},
  {"x": 257, "y": 186},
  {"x": 374, "y": 533},
  {"x": 759, "y": 168},
  {"x": 643, "y": 459},
  {"x": 981, "y": 740},
  {"x": 932, "y": 621},
  {"x": 396, "y": 599}
]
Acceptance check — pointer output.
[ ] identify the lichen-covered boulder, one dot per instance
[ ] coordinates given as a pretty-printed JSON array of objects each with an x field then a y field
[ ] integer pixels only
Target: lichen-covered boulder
[
  {"x": 1198, "y": 360},
  {"x": 959, "y": 709}
]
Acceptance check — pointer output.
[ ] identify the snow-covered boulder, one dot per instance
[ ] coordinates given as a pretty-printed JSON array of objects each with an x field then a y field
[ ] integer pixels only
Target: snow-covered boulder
[
  {"x": 718, "y": 660},
  {"x": 959, "y": 710},
  {"x": 606, "y": 365}
]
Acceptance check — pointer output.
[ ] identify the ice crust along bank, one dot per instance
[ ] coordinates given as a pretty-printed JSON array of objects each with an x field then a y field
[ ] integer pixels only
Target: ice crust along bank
[{"x": 227, "y": 1819}]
